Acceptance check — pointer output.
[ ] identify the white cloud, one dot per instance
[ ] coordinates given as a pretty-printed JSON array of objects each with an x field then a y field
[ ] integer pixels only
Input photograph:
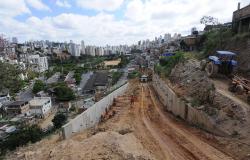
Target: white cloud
[
  {"x": 100, "y": 5},
  {"x": 178, "y": 16},
  {"x": 63, "y": 3},
  {"x": 143, "y": 19},
  {"x": 38, "y": 4},
  {"x": 12, "y": 8}
]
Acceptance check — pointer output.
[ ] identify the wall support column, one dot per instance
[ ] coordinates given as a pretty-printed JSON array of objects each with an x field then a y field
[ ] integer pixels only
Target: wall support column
[{"x": 240, "y": 26}]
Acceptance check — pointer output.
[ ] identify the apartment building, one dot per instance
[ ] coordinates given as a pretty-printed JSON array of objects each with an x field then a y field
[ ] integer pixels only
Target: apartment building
[
  {"x": 38, "y": 63},
  {"x": 18, "y": 107},
  {"x": 40, "y": 106}
]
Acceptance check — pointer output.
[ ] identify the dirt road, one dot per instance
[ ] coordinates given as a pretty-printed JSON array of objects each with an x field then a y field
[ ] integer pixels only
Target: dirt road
[{"x": 173, "y": 139}]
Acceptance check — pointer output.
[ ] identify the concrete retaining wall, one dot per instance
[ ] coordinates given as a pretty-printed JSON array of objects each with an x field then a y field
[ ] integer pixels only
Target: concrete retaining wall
[
  {"x": 180, "y": 108},
  {"x": 92, "y": 115}
]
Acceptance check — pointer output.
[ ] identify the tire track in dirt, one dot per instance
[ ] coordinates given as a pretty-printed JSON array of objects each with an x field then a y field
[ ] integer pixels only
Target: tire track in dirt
[
  {"x": 175, "y": 142},
  {"x": 171, "y": 150}
]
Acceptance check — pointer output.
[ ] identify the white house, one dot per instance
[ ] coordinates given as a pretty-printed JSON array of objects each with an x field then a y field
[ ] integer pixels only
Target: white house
[
  {"x": 4, "y": 99},
  {"x": 37, "y": 63},
  {"x": 40, "y": 106},
  {"x": 23, "y": 76}
]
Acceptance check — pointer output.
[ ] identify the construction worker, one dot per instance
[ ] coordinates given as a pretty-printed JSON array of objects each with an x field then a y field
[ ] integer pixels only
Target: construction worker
[{"x": 132, "y": 100}]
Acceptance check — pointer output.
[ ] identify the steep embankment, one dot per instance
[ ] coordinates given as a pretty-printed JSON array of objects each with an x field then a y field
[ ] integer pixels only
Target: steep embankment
[
  {"x": 194, "y": 85},
  {"x": 210, "y": 96}
]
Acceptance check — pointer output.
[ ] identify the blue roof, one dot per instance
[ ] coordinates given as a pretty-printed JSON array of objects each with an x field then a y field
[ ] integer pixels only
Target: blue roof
[
  {"x": 167, "y": 54},
  {"x": 226, "y": 53}
]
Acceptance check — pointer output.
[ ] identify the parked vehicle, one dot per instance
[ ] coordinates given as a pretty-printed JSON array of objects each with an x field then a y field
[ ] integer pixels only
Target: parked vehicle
[{"x": 223, "y": 62}]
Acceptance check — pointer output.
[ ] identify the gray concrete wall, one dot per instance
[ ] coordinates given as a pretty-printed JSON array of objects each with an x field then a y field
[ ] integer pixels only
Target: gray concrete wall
[
  {"x": 92, "y": 115},
  {"x": 179, "y": 107}
]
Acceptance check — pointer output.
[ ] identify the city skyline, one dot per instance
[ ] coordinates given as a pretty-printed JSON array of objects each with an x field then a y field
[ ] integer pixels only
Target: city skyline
[{"x": 112, "y": 22}]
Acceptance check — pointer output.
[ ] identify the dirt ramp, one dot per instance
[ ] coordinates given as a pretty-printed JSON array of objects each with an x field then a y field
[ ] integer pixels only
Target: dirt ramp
[{"x": 103, "y": 145}]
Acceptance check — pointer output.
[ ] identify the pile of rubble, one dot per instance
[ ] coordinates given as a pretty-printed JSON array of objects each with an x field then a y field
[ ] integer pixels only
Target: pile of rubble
[
  {"x": 200, "y": 91},
  {"x": 188, "y": 75}
]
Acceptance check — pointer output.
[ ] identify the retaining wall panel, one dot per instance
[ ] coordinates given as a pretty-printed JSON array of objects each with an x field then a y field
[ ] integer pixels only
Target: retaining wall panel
[
  {"x": 67, "y": 131},
  {"x": 92, "y": 115},
  {"x": 180, "y": 108}
]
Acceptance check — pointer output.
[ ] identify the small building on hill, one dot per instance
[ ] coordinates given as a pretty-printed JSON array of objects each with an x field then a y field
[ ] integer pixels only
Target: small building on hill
[
  {"x": 98, "y": 81},
  {"x": 144, "y": 78},
  {"x": 40, "y": 106},
  {"x": 18, "y": 107},
  {"x": 4, "y": 98},
  {"x": 64, "y": 107},
  {"x": 241, "y": 19}
]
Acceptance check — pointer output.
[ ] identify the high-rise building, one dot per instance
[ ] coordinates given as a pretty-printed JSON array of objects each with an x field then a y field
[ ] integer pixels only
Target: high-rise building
[
  {"x": 194, "y": 31},
  {"x": 99, "y": 51},
  {"x": 78, "y": 50},
  {"x": 90, "y": 50},
  {"x": 71, "y": 48},
  {"x": 37, "y": 63},
  {"x": 176, "y": 36},
  {"x": 82, "y": 47},
  {"x": 14, "y": 40},
  {"x": 167, "y": 38},
  {"x": 74, "y": 49}
]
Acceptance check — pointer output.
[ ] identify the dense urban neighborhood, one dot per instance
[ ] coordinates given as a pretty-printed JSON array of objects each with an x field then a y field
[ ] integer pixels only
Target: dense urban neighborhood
[{"x": 174, "y": 97}]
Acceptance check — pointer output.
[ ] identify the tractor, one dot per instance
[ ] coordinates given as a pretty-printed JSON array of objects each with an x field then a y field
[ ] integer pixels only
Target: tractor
[{"x": 222, "y": 62}]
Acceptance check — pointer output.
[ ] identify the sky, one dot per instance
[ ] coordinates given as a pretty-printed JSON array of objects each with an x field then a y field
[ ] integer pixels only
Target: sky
[{"x": 113, "y": 22}]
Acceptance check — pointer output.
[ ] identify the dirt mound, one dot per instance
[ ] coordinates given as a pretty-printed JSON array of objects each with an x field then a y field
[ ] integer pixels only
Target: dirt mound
[
  {"x": 103, "y": 145},
  {"x": 202, "y": 93},
  {"x": 195, "y": 82}
]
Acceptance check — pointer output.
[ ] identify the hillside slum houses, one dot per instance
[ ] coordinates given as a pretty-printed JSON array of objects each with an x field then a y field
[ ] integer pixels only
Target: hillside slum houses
[
  {"x": 97, "y": 82},
  {"x": 23, "y": 112}
]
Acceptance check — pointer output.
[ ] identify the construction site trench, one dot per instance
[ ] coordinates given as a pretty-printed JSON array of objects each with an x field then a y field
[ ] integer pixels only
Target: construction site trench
[{"x": 139, "y": 130}]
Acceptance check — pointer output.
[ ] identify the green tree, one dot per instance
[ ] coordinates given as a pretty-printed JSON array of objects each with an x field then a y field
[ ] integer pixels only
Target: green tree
[
  {"x": 38, "y": 86},
  {"x": 166, "y": 64},
  {"x": 64, "y": 93},
  {"x": 209, "y": 20},
  {"x": 216, "y": 40},
  {"x": 78, "y": 74},
  {"x": 134, "y": 74},
  {"x": 21, "y": 137},
  {"x": 116, "y": 76},
  {"x": 124, "y": 61},
  {"x": 32, "y": 74},
  {"x": 9, "y": 78},
  {"x": 59, "y": 120}
]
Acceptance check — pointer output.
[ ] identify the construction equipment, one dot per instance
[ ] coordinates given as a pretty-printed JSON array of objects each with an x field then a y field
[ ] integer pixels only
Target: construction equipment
[
  {"x": 240, "y": 85},
  {"x": 222, "y": 62}
]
